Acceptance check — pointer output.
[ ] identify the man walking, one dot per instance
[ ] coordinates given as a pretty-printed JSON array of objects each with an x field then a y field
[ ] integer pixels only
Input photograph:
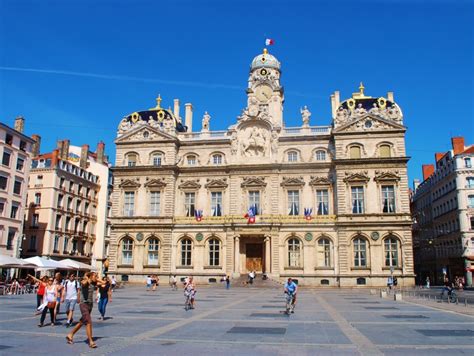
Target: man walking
[
  {"x": 88, "y": 284},
  {"x": 71, "y": 296}
]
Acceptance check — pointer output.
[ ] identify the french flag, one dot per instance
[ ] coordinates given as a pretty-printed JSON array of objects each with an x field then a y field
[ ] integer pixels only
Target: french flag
[
  {"x": 250, "y": 215},
  {"x": 307, "y": 213},
  {"x": 269, "y": 42},
  {"x": 198, "y": 215}
]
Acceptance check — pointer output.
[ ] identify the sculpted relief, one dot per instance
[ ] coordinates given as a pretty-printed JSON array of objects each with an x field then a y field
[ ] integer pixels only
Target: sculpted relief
[{"x": 256, "y": 142}]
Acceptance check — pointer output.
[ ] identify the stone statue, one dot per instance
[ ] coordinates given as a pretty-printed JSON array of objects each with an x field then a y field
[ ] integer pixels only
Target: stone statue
[
  {"x": 393, "y": 113},
  {"x": 256, "y": 143},
  {"x": 305, "y": 115},
  {"x": 274, "y": 143},
  {"x": 153, "y": 123},
  {"x": 234, "y": 143},
  {"x": 125, "y": 125},
  {"x": 205, "y": 121},
  {"x": 359, "y": 111},
  {"x": 375, "y": 110},
  {"x": 342, "y": 115},
  {"x": 253, "y": 106}
]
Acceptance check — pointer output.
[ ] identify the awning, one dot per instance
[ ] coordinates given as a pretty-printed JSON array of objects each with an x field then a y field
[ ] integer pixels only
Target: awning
[
  {"x": 44, "y": 263},
  {"x": 76, "y": 265},
  {"x": 12, "y": 262}
]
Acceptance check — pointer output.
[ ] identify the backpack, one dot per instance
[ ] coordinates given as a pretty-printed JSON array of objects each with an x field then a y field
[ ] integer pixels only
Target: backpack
[{"x": 66, "y": 283}]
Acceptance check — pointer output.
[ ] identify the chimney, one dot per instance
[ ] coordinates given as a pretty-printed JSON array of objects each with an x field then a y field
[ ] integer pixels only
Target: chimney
[
  {"x": 438, "y": 156},
  {"x": 65, "y": 152},
  {"x": 176, "y": 109},
  {"x": 390, "y": 96},
  {"x": 20, "y": 124},
  {"x": 428, "y": 170},
  {"x": 416, "y": 184},
  {"x": 189, "y": 116},
  {"x": 55, "y": 158},
  {"x": 100, "y": 152},
  {"x": 458, "y": 145},
  {"x": 35, "y": 150},
  {"x": 84, "y": 155},
  {"x": 59, "y": 146},
  {"x": 335, "y": 101}
]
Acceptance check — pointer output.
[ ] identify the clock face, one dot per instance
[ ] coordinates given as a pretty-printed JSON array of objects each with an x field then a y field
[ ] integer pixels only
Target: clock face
[{"x": 263, "y": 93}]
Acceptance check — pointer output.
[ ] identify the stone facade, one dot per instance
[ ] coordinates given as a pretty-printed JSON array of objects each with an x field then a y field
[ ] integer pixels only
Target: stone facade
[
  {"x": 15, "y": 151},
  {"x": 443, "y": 211},
  {"x": 180, "y": 197}
]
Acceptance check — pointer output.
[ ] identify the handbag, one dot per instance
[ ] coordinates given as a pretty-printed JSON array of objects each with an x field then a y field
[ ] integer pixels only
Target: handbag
[{"x": 51, "y": 305}]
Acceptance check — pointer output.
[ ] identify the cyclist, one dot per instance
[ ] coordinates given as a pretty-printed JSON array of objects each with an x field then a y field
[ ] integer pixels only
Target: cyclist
[
  {"x": 447, "y": 287},
  {"x": 291, "y": 288}
]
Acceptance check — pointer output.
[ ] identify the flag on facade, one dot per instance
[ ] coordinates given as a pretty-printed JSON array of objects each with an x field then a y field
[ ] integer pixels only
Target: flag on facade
[
  {"x": 198, "y": 215},
  {"x": 269, "y": 42},
  {"x": 307, "y": 213},
  {"x": 250, "y": 215}
]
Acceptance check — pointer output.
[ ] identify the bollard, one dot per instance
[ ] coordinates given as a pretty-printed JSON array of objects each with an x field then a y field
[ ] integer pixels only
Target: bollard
[
  {"x": 465, "y": 302},
  {"x": 383, "y": 294},
  {"x": 429, "y": 297},
  {"x": 435, "y": 299},
  {"x": 457, "y": 300}
]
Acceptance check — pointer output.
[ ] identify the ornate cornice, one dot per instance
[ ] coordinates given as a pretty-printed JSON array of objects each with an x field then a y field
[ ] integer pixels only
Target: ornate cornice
[
  {"x": 155, "y": 183},
  {"x": 319, "y": 181},
  {"x": 253, "y": 182},
  {"x": 358, "y": 177},
  {"x": 216, "y": 183},
  {"x": 192, "y": 184},
  {"x": 128, "y": 183},
  {"x": 292, "y": 182},
  {"x": 386, "y": 176}
]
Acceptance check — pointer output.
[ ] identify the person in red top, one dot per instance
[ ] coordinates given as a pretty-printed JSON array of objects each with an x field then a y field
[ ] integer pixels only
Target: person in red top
[{"x": 40, "y": 291}]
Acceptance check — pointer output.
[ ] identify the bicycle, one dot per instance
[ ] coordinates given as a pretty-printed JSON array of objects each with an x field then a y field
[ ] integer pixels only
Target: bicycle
[{"x": 290, "y": 303}]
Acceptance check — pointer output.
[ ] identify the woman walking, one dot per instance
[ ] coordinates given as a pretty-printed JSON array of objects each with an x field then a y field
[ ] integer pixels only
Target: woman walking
[
  {"x": 105, "y": 296},
  {"x": 50, "y": 297}
]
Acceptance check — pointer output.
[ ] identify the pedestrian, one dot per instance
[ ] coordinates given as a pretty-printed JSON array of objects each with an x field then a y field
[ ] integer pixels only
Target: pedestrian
[
  {"x": 71, "y": 297},
  {"x": 113, "y": 283},
  {"x": 227, "y": 282},
  {"x": 190, "y": 289},
  {"x": 390, "y": 282},
  {"x": 173, "y": 282},
  {"x": 41, "y": 285},
  {"x": 58, "y": 283},
  {"x": 428, "y": 282},
  {"x": 51, "y": 295},
  {"x": 88, "y": 284},
  {"x": 148, "y": 283},
  {"x": 153, "y": 283},
  {"x": 105, "y": 296}
]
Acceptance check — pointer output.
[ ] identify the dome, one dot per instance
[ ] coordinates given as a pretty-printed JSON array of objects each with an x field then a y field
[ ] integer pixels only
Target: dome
[{"x": 265, "y": 60}]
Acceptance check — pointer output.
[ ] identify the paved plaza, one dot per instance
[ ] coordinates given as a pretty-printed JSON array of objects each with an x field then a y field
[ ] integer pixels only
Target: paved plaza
[{"x": 244, "y": 321}]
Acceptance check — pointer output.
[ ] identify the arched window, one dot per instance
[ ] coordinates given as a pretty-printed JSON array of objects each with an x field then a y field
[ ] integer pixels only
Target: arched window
[
  {"x": 132, "y": 159},
  {"x": 324, "y": 252},
  {"x": 127, "y": 251},
  {"x": 354, "y": 152},
  {"x": 320, "y": 155},
  {"x": 391, "y": 251},
  {"x": 191, "y": 159},
  {"x": 186, "y": 248},
  {"x": 292, "y": 156},
  {"x": 360, "y": 252},
  {"x": 153, "y": 251},
  {"x": 294, "y": 252},
  {"x": 217, "y": 159},
  {"x": 214, "y": 252},
  {"x": 385, "y": 151},
  {"x": 157, "y": 159}
]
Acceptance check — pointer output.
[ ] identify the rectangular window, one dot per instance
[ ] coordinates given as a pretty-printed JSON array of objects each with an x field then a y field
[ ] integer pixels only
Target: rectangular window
[
  {"x": 357, "y": 195},
  {"x": 20, "y": 164},
  {"x": 8, "y": 139},
  {"x": 56, "y": 244},
  {"x": 60, "y": 200},
  {"x": 191, "y": 160},
  {"x": 472, "y": 222},
  {"x": 38, "y": 199},
  {"x": 129, "y": 204},
  {"x": 35, "y": 220},
  {"x": 58, "y": 222},
  {"x": 157, "y": 160},
  {"x": 467, "y": 163},
  {"x": 62, "y": 182},
  {"x": 22, "y": 146},
  {"x": 388, "y": 198},
  {"x": 470, "y": 201},
  {"x": 6, "y": 158},
  {"x": 78, "y": 206},
  {"x": 216, "y": 203},
  {"x": 189, "y": 203},
  {"x": 69, "y": 203},
  {"x": 86, "y": 208},
  {"x": 66, "y": 244},
  {"x": 470, "y": 182},
  {"x": 14, "y": 211},
  {"x": 32, "y": 246},
  {"x": 3, "y": 183},
  {"x": 322, "y": 202},
  {"x": 254, "y": 201},
  {"x": 293, "y": 202},
  {"x": 10, "y": 238},
  {"x": 2, "y": 207},
  {"x": 154, "y": 203},
  {"x": 17, "y": 187}
]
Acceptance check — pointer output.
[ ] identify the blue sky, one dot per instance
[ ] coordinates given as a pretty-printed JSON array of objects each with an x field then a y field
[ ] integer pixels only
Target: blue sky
[{"x": 74, "y": 68}]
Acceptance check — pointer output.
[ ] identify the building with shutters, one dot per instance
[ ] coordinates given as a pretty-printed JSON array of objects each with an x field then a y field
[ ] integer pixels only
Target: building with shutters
[{"x": 331, "y": 203}]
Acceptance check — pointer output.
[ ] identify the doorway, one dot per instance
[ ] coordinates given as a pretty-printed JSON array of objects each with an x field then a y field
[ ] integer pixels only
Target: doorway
[{"x": 254, "y": 257}]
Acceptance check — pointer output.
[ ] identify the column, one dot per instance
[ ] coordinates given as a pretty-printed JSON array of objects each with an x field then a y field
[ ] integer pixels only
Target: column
[
  {"x": 267, "y": 255},
  {"x": 236, "y": 256}
]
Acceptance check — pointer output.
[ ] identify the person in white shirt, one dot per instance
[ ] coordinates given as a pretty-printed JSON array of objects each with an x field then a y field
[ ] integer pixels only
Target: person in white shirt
[
  {"x": 71, "y": 296},
  {"x": 148, "y": 283}
]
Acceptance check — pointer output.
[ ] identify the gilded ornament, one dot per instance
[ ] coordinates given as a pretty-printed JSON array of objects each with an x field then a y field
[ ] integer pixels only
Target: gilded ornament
[
  {"x": 135, "y": 117},
  {"x": 382, "y": 102},
  {"x": 351, "y": 103},
  {"x": 161, "y": 115}
]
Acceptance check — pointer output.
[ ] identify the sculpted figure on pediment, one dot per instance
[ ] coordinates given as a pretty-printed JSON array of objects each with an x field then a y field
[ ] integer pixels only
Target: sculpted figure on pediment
[
  {"x": 124, "y": 126},
  {"x": 359, "y": 111},
  {"x": 256, "y": 142},
  {"x": 375, "y": 110},
  {"x": 253, "y": 108},
  {"x": 234, "y": 144},
  {"x": 342, "y": 115},
  {"x": 305, "y": 115},
  {"x": 274, "y": 143},
  {"x": 393, "y": 113}
]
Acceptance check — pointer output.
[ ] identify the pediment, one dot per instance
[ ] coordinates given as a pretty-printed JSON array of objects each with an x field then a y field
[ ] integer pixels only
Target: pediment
[
  {"x": 369, "y": 123},
  {"x": 386, "y": 176},
  {"x": 128, "y": 183},
  {"x": 155, "y": 183},
  {"x": 292, "y": 182},
  {"x": 216, "y": 183},
  {"x": 190, "y": 184},
  {"x": 360, "y": 177},
  {"x": 319, "y": 181},
  {"x": 144, "y": 133},
  {"x": 253, "y": 182}
]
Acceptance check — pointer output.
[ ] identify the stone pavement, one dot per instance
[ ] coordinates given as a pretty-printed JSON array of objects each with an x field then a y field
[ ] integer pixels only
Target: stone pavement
[{"x": 244, "y": 321}]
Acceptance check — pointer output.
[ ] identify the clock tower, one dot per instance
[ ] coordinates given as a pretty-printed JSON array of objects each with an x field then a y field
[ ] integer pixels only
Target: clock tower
[{"x": 265, "y": 95}]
